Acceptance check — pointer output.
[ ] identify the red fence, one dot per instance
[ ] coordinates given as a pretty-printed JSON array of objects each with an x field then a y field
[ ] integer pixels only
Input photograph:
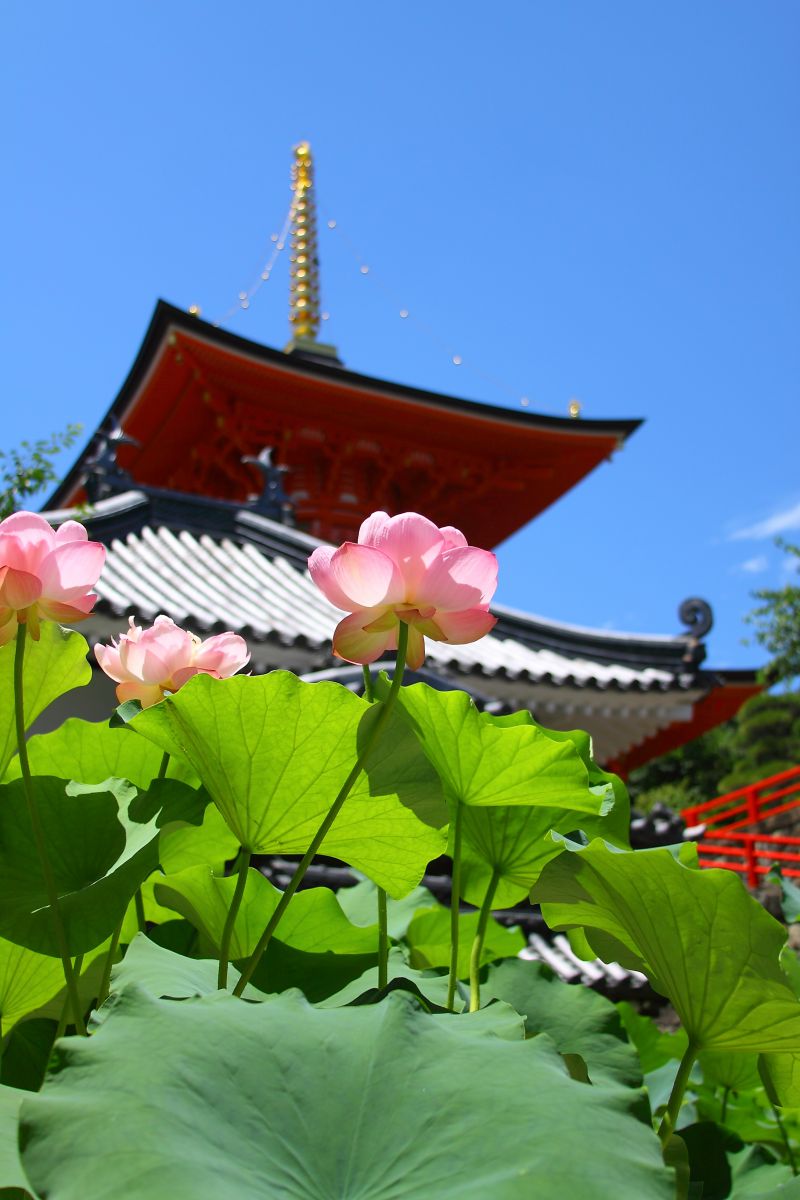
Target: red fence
[{"x": 734, "y": 835}]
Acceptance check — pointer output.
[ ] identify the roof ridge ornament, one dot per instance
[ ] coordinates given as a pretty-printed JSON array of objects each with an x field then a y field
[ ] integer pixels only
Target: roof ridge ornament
[
  {"x": 104, "y": 476},
  {"x": 273, "y": 501},
  {"x": 699, "y": 617},
  {"x": 304, "y": 288}
]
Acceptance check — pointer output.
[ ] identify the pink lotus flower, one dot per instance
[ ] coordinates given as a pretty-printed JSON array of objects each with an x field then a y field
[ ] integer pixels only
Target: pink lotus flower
[
  {"x": 149, "y": 663},
  {"x": 404, "y": 568},
  {"x": 45, "y": 573}
]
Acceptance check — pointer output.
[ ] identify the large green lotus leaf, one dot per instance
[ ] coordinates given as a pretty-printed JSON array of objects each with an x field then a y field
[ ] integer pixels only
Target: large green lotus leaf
[
  {"x": 360, "y": 905},
  {"x": 614, "y": 826},
  {"x": 93, "y": 751},
  {"x": 161, "y": 972},
  {"x": 577, "y": 1019},
  {"x": 782, "y": 1073},
  {"x": 27, "y": 981},
  {"x": 317, "y": 974},
  {"x": 211, "y": 843},
  {"x": 428, "y": 940},
  {"x": 278, "y": 1100},
  {"x": 700, "y": 938},
  {"x": 26, "y": 1052},
  {"x": 52, "y": 666},
  {"x": 512, "y": 841},
  {"x": 654, "y": 1047},
  {"x": 487, "y": 760},
  {"x": 314, "y": 920},
  {"x": 99, "y": 856},
  {"x": 12, "y": 1176},
  {"x": 273, "y": 752}
]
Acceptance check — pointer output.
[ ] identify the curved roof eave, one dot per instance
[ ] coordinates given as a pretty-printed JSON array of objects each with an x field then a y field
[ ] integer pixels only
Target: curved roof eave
[{"x": 167, "y": 317}]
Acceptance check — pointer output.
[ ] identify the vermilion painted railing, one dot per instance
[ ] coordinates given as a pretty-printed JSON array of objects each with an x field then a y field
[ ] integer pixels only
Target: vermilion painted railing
[{"x": 725, "y": 843}]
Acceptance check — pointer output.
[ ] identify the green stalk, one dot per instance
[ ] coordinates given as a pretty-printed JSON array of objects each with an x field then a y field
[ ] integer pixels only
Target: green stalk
[
  {"x": 455, "y": 902},
  {"x": 724, "y": 1107},
  {"x": 39, "y": 836},
  {"x": 105, "y": 982},
  {"x": 368, "y": 692},
  {"x": 383, "y": 940},
  {"x": 141, "y": 920},
  {"x": 477, "y": 945},
  {"x": 162, "y": 770},
  {"x": 787, "y": 1144},
  {"x": 383, "y": 931},
  {"x": 385, "y": 709},
  {"x": 667, "y": 1126},
  {"x": 65, "y": 1007},
  {"x": 230, "y": 920}
]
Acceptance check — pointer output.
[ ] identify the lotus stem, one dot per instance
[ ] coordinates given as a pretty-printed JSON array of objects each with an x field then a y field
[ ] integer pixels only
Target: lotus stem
[
  {"x": 383, "y": 940},
  {"x": 230, "y": 920},
  {"x": 105, "y": 982},
  {"x": 785, "y": 1138},
  {"x": 39, "y": 837},
  {"x": 667, "y": 1126},
  {"x": 383, "y": 931},
  {"x": 726, "y": 1091},
  {"x": 141, "y": 919},
  {"x": 455, "y": 903},
  {"x": 477, "y": 945},
  {"x": 65, "y": 1007},
  {"x": 371, "y": 738},
  {"x": 368, "y": 692}
]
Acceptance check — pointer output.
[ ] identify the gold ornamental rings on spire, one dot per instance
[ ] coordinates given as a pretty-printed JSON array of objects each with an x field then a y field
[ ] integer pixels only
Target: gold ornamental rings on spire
[{"x": 304, "y": 302}]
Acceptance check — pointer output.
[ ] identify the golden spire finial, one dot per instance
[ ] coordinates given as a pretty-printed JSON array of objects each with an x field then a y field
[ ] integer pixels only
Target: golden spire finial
[{"x": 304, "y": 270}]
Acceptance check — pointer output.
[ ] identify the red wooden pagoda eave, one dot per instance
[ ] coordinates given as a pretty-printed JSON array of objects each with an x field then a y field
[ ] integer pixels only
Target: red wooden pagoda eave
[{"x": 199, "y": 399}]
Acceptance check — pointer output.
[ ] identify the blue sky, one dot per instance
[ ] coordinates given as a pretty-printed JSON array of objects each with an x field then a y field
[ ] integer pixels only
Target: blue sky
[{"x": 580, "y": 200}]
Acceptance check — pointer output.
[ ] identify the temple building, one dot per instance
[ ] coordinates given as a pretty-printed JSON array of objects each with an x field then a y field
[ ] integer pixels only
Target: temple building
[{"x": 222, "y": 463}]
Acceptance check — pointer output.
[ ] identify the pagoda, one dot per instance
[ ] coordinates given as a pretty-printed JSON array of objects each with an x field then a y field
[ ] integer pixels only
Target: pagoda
[{"x": 222, "y": 463}]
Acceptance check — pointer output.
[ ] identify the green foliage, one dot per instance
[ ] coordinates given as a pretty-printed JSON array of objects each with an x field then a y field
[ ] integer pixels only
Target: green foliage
[
  {"x": 11, "y": 1172},
  {"x": 484, "y": 760},
  {"x": 337, "y": 1074},
  {"x": 24, "y": 471},
  {"x": 100, "y": 854},
  {"x": 273, "y": 753},
  {"x": 27, "y": 981},
  {"x": 92, "y": 751},
  {"x": 314, "y": 920},
  {"x": 428, "y": 940},
  {"x": 578, "y": 1020},
  {"x": 53, "y": 666},
  {"x": 776, "y": 621},
  {"x": 699, "y": 936},
  {"x": 766, "y": 740},
  {"x": 327, "y": 1111}
]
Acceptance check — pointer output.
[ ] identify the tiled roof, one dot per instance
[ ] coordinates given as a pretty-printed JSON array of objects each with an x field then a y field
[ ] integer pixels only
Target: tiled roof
[{"x": 208, "y": 583}]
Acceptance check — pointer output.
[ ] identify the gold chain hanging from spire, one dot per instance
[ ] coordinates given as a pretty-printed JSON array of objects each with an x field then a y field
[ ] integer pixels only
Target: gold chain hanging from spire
[{"x": 304, "y": 313}]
